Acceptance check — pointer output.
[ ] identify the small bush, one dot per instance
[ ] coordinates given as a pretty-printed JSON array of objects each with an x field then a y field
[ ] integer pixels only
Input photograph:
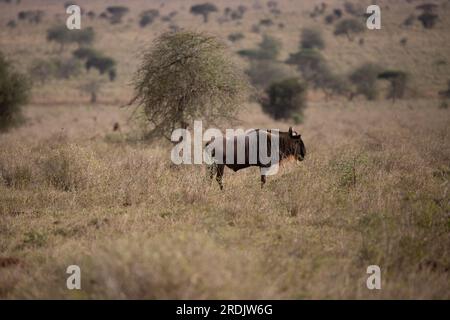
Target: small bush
[
  {"x": 268, "y": 49},
  {"x": 31, "y": 16},
  {"x": 101, "y": 63},
  {"x": 14, "y": 92},
  {"x": 85, "y": 53},
  {"x": 308, "y": 61},
  {"x": 266, "y": 22},
  {"x": 364, "y": 79},
  {"x": 59, "y": 34},
  {"x": 147, "y": 17},
  {"x": 116, "y": 13},
  {"x": 262, "y": 73},
  {"x": 397, "y": 81},
  {"x": 233, "y": 37},
  {"x": 311, "y": 38},
  {"x": 349, "y": 27},
  {"x": 428, "y": 19},
  {"x": 286, "y": 98},
  {"x": 83, "y": 36}
]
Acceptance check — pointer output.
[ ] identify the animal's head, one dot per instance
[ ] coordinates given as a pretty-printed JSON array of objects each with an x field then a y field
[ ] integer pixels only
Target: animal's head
[{"x": 297, "y": 145}]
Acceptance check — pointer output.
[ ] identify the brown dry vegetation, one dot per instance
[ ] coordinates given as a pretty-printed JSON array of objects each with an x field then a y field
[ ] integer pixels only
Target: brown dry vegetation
[{"x": 372, "y": 190}]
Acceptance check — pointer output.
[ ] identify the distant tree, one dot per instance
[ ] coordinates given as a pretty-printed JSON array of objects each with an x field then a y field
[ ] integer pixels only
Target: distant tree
[
  {"x": 59, "y": 34},
  {"x": 117, "y": 13},
  {"x": 397, "y": 81},
  {"x": 101, "y": 63},
  {"x": 353, "y": 9},
  {"x": 14, "y": 92},
  {"x": 85, "y": 53},
  {"x": 349, "y": 27},
  {"x": 264, "y": 72},
  {"x": 364, "y": 79},
  {"x": 428, "y": 19},
  {"x": 311, "y": 38},
  {"x": 31, "y": 16},
  {"x": 309, "y": 62},
  {"x": 82, "y": 37},
  {"x": 285, "y": 99},
  {"x": 236, "y": 36},
  {"x": 186, "y": 75},
  {"x": 269, "y": 48},
  {"x": 147, "y": 17},
  {"x": 204, "y": 10}
]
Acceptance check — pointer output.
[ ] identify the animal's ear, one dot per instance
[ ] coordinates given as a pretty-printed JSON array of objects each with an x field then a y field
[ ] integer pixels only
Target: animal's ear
[{"x": 290, "y": 131}]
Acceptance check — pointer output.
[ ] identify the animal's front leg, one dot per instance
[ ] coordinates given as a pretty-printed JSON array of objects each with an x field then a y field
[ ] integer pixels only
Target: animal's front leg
[{"x": 263, "y": 180}]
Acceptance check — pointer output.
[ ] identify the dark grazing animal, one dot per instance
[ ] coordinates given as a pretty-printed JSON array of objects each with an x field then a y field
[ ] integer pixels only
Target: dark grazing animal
[{"x": 290, "y": 145}]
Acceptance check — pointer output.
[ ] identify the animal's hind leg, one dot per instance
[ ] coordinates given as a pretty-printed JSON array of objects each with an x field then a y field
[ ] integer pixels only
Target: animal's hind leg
[
  {"x": 219, "y": 175},
  {"x": 212, "y": 170}
]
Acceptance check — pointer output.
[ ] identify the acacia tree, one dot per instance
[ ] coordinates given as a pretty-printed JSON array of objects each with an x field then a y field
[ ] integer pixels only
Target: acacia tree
[
  {"x": 204, "y": 10},
  {"x": 397, "y": 81},
  {"x": 187, "y": 76}
]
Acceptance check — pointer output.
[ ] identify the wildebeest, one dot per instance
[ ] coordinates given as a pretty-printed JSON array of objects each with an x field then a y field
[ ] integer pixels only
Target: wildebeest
[{"x": 290, "y": 144}]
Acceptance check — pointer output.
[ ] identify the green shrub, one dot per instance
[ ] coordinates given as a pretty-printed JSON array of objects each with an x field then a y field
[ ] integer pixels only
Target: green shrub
[
  {"x": 311, "y": 38},
  {"x": 264, "y": 72},
  {"x": 101, "y": 63},
  {"x": 14, "y": 92},
  {"x": 85, "y": 53},
  {"x": 116, "y": 13},
  {"x": 349, "y": 27},
  {"x": 59, "y": 34},
  {"x": 236, "y": 36},
  {"x": 269, "y": 48},
  {"x": 285, "y": 99},
  {"x": 147, "y": 17},
  {"x": 310, "y": 63},
  {"x": 364, "y": 79},
  {"x": 428, "y": 19},
  {"x": 397, "y": 80},
  {"x": 82, "y": 37}
]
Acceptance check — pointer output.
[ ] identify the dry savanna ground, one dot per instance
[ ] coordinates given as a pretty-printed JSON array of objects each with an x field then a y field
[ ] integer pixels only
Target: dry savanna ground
[{"x": 373, "y": 189}]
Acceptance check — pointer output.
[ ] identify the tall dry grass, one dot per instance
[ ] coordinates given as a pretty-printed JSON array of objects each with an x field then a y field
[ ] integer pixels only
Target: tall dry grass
[{"x": 372, "y": 190}]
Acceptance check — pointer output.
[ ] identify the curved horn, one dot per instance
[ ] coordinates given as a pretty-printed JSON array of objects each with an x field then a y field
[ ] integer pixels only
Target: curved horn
[{"x": 290, "y": 131}]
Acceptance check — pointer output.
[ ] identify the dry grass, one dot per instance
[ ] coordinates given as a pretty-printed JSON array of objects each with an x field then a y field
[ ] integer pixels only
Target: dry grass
[{"x": 372, "y": 190}]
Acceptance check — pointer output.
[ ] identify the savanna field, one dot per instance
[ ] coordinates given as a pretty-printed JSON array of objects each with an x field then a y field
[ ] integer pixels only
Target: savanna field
[{"x": 81, "y": 185}]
